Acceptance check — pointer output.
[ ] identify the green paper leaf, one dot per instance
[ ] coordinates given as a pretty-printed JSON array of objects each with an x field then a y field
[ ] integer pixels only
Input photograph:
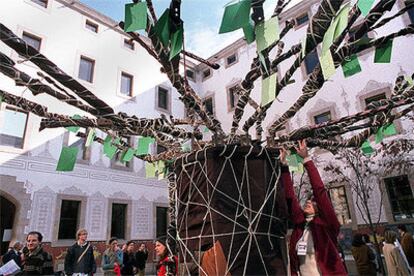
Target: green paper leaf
[
  {"x": 263, "y": 62},
  {"x": 67, "y": 159},
  {"x": 235, "y": 16},
  {"x": 135, "y": 17},
  {"x": 303, "y": 51},
  {"x": 267, "y": 33},
  {"x": 186, "y": 146},
  {"x": 327, "y": 65},
  {"x": 162, "y": 28},
  {"x": 150, "y": 170},
  {"x": 269, "y": 89},
  {"x": 177, "y": 42},
  {"x": 365, "y": 6},
  {"x": 383, "y": 53},
  {"x": 90, "y": 137},
  {"x": 206, "y": 130},
  {"x": 379, "y": 136},
  {"x": 299, "y": 169},
  {"x": 351, "y": 66},
  {"x": 109, "y": 148},
  {"x": 335, "y": 29},
  {"x": 366, "y": 148},
  {"x": 161, "y": 170},
  {"x": 74, "y": 128},
  {"x": 143, "y": 145},
  {"x": 407, "y": 78},
  {"x": 128, "y": 155},
  {"x": 248, "y": 31},
  {"x": 1, "y": 99},
  {"x": 390, "y": 130}
]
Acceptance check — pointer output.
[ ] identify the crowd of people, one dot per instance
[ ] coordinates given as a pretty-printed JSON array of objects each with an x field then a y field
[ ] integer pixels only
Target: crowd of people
[
  {"x": 80, "y": 259},
  {"x": 313, "y": 248}
]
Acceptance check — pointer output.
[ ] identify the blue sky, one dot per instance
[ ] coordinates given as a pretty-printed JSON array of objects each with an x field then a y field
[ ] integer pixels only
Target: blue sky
[{"x": 201, "y": 21}]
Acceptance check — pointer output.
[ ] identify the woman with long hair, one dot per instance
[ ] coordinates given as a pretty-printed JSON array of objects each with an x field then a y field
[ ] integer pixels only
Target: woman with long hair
[
  {"x": 168, "y": 263},
  {"x": 394, "y": 259}
]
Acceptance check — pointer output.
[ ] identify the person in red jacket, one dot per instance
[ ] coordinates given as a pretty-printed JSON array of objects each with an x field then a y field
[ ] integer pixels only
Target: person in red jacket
[
  {"x": 313, "y": 243},
  {"x": 168, "y": 263}
]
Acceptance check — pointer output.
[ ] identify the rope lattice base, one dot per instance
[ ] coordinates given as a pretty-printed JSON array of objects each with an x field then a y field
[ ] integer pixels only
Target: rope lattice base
[{"x": 230, "y": 212}]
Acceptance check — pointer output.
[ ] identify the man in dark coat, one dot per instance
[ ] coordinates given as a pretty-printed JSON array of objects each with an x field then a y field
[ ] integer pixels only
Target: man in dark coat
[
  {"x": 14, "y": 254},
  {"x": 407, "y": 244},
  {"x": 141, "y": 258},
  {"x": 36, "y": 261},
  {"x": 80, "y": 258}
]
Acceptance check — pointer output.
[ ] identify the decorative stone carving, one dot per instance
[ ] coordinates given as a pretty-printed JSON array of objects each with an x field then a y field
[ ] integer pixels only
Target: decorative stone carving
[{"x": 43, "y": 211}]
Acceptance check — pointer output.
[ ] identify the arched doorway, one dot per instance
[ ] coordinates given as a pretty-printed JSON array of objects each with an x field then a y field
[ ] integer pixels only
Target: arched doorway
[{"x": 8, "y": 211}]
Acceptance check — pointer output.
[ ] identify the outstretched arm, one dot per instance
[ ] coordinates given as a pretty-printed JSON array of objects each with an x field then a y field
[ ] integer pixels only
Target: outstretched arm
[
  {"x": 325, "y": 208},
  {"x": 295, "y": 212}
]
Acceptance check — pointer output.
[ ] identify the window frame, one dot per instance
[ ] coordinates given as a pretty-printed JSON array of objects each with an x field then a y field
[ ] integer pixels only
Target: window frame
[
  {"x": 226, "y": 59},
  {"x": 77, "y": 218},
  {"x": 82, "y": 217},
  {"x": 387, "y": 92},
  {"x": 128, "y": 218},
  {"x": 347, "y": 202},
  {"x": 302, "y": 15},
  {"x": 91, "y": 26},
  {"x": 410, "y": 15},
  {"x": 4, "y": 107},
  {"x": 93, "y": 61},
  {"x": 155, "y": 206},
  {"x": 235, "y": 97},
  {"x": 157, "y": 107},
  {"x": 128, "y": 44},
  {"x": 210, "y": 97},
  {"x": 305, "y": 72},
  {"x": 131, "y": 77},
  {"x": 193, "y": 77},
  {"x": 209, "y": 76},
  {"x": 389, "y": 207},
  {"x": 33, "y": 37},
  {"x": 41, "y": 3},
  {"x": 320, "y": 114}
]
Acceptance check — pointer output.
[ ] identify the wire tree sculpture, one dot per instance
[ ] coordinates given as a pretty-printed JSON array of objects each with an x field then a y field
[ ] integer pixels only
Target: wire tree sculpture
[{"x": 227, "y": 213}]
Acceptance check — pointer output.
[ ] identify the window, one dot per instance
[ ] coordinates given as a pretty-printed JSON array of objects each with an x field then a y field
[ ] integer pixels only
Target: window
[
  {"x": 323, "y": 117},
  {"x": 13, "y": 125},
  {"x": 302, "y": 19},
  {"x": 32, "y": 40},
  {"x": 129, "y": 43},
  {"x": 91, "y": 26},
  {"x": 69, "y": 219},
  {"x": 162, "y": 221},
  {"x": 118, "y": 220},
  {"x": 410, "y": 12},
  {"x": 208, "y": 103},
  {"x": 375, "y": 98},
  {"x": 400, "y": 196},
  {"x": 126, "y": 84},
  {"x": 230, "y": 60},
  {"x": 86, "y": 68},
  {"x": 42, "y": 3},
  {"x": 163, "y": 98},
  {"x": 311, "y": 61},
  {"x": 340, "y": 204},
  {"x": 189, "y": 74},
  {"x": 232, "y": 98},
  {"x": 206, "y": 73}
]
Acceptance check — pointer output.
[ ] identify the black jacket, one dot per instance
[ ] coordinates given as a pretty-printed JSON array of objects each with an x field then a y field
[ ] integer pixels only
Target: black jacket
[
  {"x": 86, "y": 265},
  {"x": 38, "y": 262},
  {"x": 141, "y": 258}
]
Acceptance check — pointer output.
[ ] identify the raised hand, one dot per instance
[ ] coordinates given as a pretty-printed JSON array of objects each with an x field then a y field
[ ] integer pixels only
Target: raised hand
[{"x": 302, "y": 150}]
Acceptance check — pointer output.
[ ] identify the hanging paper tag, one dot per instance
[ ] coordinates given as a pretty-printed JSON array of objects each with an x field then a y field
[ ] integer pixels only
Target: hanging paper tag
[{"x": 302, "y": 248}]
